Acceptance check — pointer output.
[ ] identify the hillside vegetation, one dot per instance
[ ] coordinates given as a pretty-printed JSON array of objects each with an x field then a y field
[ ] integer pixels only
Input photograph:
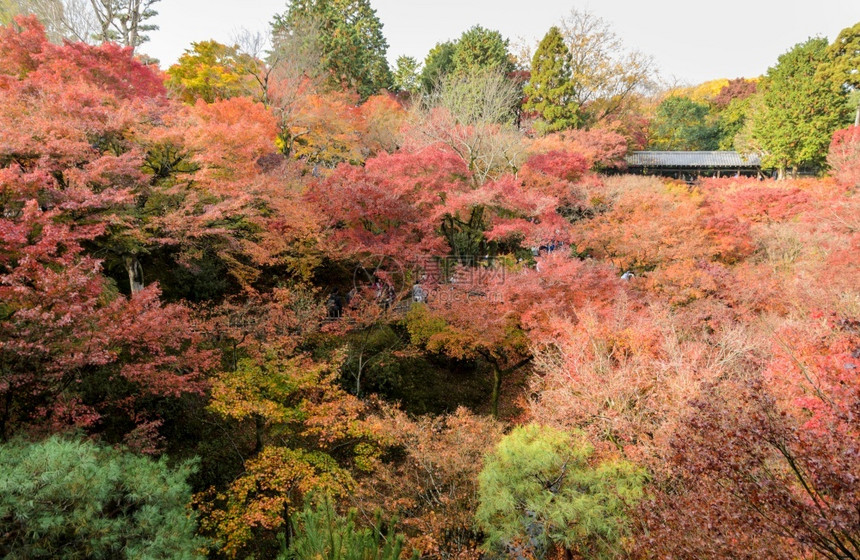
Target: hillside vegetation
[{"x": 292, "y": 303}]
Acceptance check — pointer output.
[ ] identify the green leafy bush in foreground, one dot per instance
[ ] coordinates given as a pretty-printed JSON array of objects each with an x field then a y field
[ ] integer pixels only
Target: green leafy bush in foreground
[
  {"x": 322, "y": 534},
  {"x": 68, "y": 499},
  {"x": 541, "y": 490}
]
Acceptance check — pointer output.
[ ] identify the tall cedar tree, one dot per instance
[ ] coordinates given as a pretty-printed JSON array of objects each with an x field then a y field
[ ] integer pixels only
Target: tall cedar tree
[
  {"x": 352, "y": 43},
  {"x": 550, "y": 91},
  {"x": 800, "y": 110}
]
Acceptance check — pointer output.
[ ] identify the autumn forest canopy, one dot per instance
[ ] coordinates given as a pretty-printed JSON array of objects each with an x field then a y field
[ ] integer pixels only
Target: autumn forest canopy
[{"x": 285, "y": 300}]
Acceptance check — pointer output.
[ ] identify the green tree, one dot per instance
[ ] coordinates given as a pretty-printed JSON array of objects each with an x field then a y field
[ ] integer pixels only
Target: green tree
[
  {"x": 683, "y": 124},
  {"x": 799, "y": 109},
  {"x": 481, "y": 49},
  {"x": 65, "y": 499},
  {"x": 322, "y": 534},
  {"x": 351, "y": 40},
  {"x": 731, "y": 122},
  {"x": 845, "y": 66},
  {"x": 478, "y": 50},
  {"x": 438, "y": 64},
  {"x": 406, "y": 75},
  {"x": 541, "y": 491},
  {"x": 550, "y": 91},
  {"x": 731, "y": 107}
]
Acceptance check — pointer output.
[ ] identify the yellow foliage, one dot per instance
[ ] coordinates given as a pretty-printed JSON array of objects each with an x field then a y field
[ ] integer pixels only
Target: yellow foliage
[{"x": 702, "y": 93}]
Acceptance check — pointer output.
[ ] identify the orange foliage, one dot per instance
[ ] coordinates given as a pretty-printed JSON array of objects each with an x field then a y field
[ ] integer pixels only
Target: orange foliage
[
  {"x": 383, "y": 117},
  {"x": 440, "y": 458},
  {"x": 227, "y": 138},
  {"x": 247, "y": 516}
]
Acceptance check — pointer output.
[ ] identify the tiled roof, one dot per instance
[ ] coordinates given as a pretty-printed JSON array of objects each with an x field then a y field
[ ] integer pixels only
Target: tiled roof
[{"x": 692, "y": 159}]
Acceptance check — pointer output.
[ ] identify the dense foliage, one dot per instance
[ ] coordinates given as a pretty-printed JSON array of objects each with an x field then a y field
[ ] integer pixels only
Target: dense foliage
[
  {"x": 322, "y": 534},
  {"x": 682, "y": 124},
  {"x": 800, "y": 109},
  {"x": 351, "y": 42},
  {"x": 550, "y": 90},
  {"x": 538, "y": 492},
  {"x": 67, "y": 499},
  {"x": 439, "y": 322}
]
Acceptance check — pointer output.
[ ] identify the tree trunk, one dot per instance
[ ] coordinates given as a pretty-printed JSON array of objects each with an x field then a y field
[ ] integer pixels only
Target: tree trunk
[
  {"x": 288, "y": 527},
  {"x": 358, "y": 375},
  {"x": 4, "y": 419},
  {"x": 497, "y": 387},
  {"x": 259, "y": 426},
  {"x": 135, "y": 274},
  {"x": 498, "y": 375},
  {"x": 780, "y": 174},
  {"x": 134, "y": 22}
]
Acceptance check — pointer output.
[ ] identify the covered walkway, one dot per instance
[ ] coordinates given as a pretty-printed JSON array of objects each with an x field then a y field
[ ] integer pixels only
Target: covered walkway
[{"x": 688, "y": 166}]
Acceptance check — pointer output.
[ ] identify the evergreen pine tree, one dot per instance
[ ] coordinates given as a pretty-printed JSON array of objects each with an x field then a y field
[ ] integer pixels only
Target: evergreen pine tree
[
  {"x": 541, "y": 493},
  {"x": 68, "y": 499},
  {"x": 322, "y": 534}
]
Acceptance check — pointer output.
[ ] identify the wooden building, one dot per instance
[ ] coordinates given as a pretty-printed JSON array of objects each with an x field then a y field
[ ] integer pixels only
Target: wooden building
[{"x": 688, "y": 166}]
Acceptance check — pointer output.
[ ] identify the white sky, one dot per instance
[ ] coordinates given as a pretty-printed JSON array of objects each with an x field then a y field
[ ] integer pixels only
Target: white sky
[{"x": 691, "y": 41}]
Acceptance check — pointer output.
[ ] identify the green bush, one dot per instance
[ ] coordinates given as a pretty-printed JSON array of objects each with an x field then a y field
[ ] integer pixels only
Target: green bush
[
  {"x": 540, "y": 491},
  {"x": 66, "y": 499},
  {"x": 322, "y": 534}
]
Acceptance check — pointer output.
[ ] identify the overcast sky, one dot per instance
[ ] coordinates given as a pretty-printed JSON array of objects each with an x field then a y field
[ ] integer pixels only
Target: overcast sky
[{"x": 690, "y": 41}]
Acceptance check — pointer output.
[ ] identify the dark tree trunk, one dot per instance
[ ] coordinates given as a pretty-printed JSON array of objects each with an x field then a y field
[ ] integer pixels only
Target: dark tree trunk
[
  {"x": 259, "y": 428},
  {"x": 497, "y": 387}
]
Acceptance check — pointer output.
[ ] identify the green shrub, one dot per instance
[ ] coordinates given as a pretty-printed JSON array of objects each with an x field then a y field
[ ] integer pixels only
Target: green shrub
[
  {"x": 540, "y": 491},
  {"x": 67, "y": 499},
  {"x": 322, "y": 534}
]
